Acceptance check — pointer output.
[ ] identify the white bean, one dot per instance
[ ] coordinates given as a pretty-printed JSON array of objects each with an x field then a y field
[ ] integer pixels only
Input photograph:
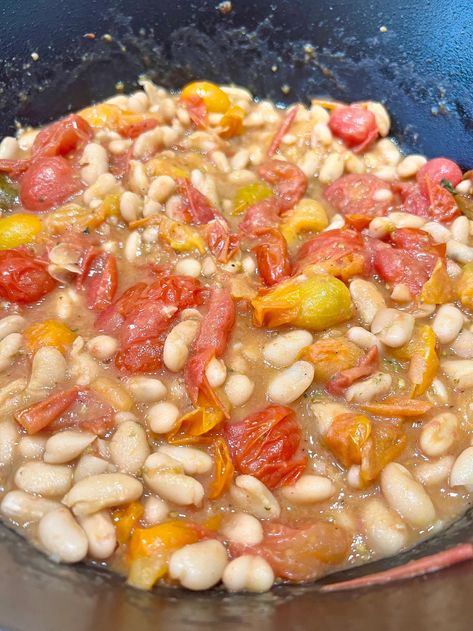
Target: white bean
[
  {"x": 383, "y": 121},
  {"x": 459, "y": 252},
  {"x": 48, "y": 369},
  {"x": 242, "y": 528},
  {"x": 239, "y": 389},
  {"x": 459, "y": 371},
  {"x": 91, "y": 465},
  {"x": 44, "y": 479},
  {"x": 367, "y": 298},
  {"x": 463, "y": 345},
  {"x": 23, "y": 507},
  {"x": 387, "y": 534},
  {"x": 165, "y": 476},
  {"x": 161, "y": 188},
  {"x": 132, "y": 246},
  {"x": 337, "y": 221},
  {"x": 11, "y": 324},
  {"x": 8, "y": 442},
  {"x": 66, "y": 446},
  {"x": 325, "y": 413},
  {"x": 9, "y": 347},
  {"x": 438, "y": 392},
  {"x": 95, "y": 492},
  {"x": 9, "y": 148},
  {"x": 100, "y": 533},
  {"x": 309, "y": 489},
  {"x": 137, "y": 177},
  {"x": 431, "y": 473},
  {"x": 460, "y": 229},
  {"x": 240, "y": 160},
  {"x": 177, "y": 343},
  {"x": 156, "y": 510},
  {"x": 462, "y": 470},
  {"x": 438, "y": 232},
  {"x": 406, "y": 496},
  {"x": 146, "y": 389},
  {"x": 380, "y": 227},
  {"x": 102, "y": 347},
  {"x": 129, "y": 447},
  {"x": 32, "y": 447},
  {"x": 200, "y": 565},
  {"x": 162, "y": 417},
  {"x": 439, "y": 434},
  {"x": 250, "y": 494},
  {"x": 410, "y": 165},
  {"x": 405, "y": 220},
  {"x": 248, "y": 573},
  {"x": 291, "y": 383},
  {"x": 194, "y": 461},
  {"x": 392, "y": 327},
  {"x": 331, "y": 168},
  {"x": 131, "y": 206},
  {"x": 94, "y": 162},
  {"x": 189, "y": 267},
  {"x": 105, "y": 185},
  {"x": 309, "y": 163},
  {"x": 283, "y": 350},
  {"x": 447, "y": 323},
  {"x": 363, "y": 338},
  {"x": 216, "y": 372},
  {"x": 62, "y": 537},
  {"x": 375, "y": 386},
  {"x": 148, "y": 143}
]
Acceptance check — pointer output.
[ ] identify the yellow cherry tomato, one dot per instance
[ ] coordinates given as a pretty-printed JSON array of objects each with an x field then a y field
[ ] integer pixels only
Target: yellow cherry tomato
[
  {"x": 18, "y": 229},
  {"x": 48, "y": 333},
  {"x": 162, "y": 538},
  {"x": 180, "y": 237},
  {"x": 307, "y": 216},
  {"x": 126, "y": 519},
  {"x": 232, "y": 122},
  {"x": 250, "y": 194},
  {"x": 464, "y": 286},
  {"x": 214, "y": 98},
  {"x": 102, "y": 115}
]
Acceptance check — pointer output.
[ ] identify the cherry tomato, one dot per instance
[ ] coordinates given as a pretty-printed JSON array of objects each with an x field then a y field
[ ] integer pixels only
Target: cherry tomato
[
  {"x": 263, "y": 214},
  {"x": 365, "y": 367},
  {"x": 197, "y": 207},
  {"x": 214, "y": 98},
  {"x": 141, "y": 357},
  {"x": 48, "y": 182},
  {"x": 443, "y": 206},
  {"x": 62, "y": 137},
  {"x": 437, "y": 170},
  {"x": 346, "y": 436},
  {"x": 135, "y": 129},
  {"x": 272, "y": 256},
  {"x": 23, "y": 278},
  {"x": 355, "y": 125},
  {"x": 197, "y": 110},
  {"x": 358, "y": 195},
  {"x": 288, "y": 181},
  {"x": 415, "y": 240},
  {"x": 266, "y": 444},
  {"x": 413, "y": 201},
  {"x": 221, "y": 242},
  {"x": 40, "y": 415},
  {"x": 100, "y": 279}
]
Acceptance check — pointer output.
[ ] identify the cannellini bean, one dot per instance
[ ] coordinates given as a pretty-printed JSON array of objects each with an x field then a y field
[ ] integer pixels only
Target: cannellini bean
[
  {"x": 162, "y": 417},
  {"x": 11, "y": 324},
  {"x": 177, "y": 343},
  {"x": 438, "y": 392},
  {"x": 9, "y": 148},
  {"x": 100, "y": 533},
  {"x": 242, "y": 528},
  {"x": 375, "y": 386},
  {"x": 331, "y": 168},
  {"x": 216, "y": 372},
  {"x": 113, "y": 393},
  {"x": 309, "y": 163},
  {"x": 410, "y": 165},
  {"x": 103, "y": 186},
  {"x": 200, "y": 565},
  {"x": 146, "y": 389},
  {"x": 354, "y": 477},
  {"x": 337, "y": 221},
  {"x": 66, "y": 446},
  {"x": 406, "y": 496},
  {"x": 405, "y": 220},
  {"x": 363, "y": 338},
  {"x": 44, "y": 479},
  {"x": 392, "y": 327},
  {"x": 325, "y": 413},
  {"x": 439, "y": 434},
  {"x": 291, "y": 383},
  {"x": 129, "y": 447},
  {"x": 162, "y": 188},
  {"x": 447, "y": 323},
  {"x": 62, "y": 537},
  {"x": 460, "y": 229},
  {"x": 133, "y": 246},
  {"x": 91, "y": 465},
  {"x": 94, "y": 162},
  {"x": 367, "y": 298},
  {"x": 189, "y": 267},
  {"x": 240, "y": 159},
  {"x": 48, "y": 369},
  {"x": 148, "y": 143},
  {"x": 431, "y": 473},
  {"x": 463, "y": 345},
  {"x": 95, "y": 492},
  {"x": 459, "y": 252},
  {"x": 438, "y": 232},
  {"x": 9, "y": 347},
  {"x": 156, "y": 510},
  {"x": 386, "y": 173},
  {"x": 321, "y": 134},
  {"x": 138, "y": 102},
  {"x": 8, "y": 442},
  {"x": 383, "y": 122},
  {"x": 102, "y": 347},
  {"x": 248, "y": 573},
  {"x": 23, "y": 507},
  {"x": 194, "y": 461},
  {"x": 251, "y": 495},
  {"x": 380, "y": 227},
  {"x": 283, "y": 350},
  {"x": 131, "y": 206},
  {"x": 387, "y": 534},
  {"x": 462, "y": 470},
  {"x": 239, "y": 389},
  {"x": 137, "y": 177},
  {"x": 165, "y": 476},
  {"x": 309, "y": 489},
  {"x": 459, "y": 371},
  {"x": 32, "y": 447}
]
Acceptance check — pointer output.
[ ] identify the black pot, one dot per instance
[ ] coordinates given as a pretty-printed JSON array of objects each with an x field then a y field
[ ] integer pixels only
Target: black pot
[{"x": 417, "y": 57}]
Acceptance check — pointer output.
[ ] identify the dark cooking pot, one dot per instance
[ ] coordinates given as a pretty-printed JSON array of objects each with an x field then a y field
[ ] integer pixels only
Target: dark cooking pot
[{"x": 421, "y": 64}]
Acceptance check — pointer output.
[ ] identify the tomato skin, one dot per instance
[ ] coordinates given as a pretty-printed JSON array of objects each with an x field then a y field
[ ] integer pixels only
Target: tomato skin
[
  {"x": 355, "y": 125},
  {"x": 196, "y": 206},
  {"x": 40, "y": 415},
  {"x": 364, "y": 368},
  {"x": 272, "y": 257},
  {"x": 437, "y": 170},
  {"x": 62, "y": 137},
  {"x": 48, "y": 182},
  {"x": 135, "y": 129},
  {"x": 221, "y": 242},
  {"x": 100, "y": 279},
  {"x": 23, "y": 279},
  {"x": 197, "y": 110},
  {"x": 141, "y": 357},
  {"x": 282, "y": 131},
  {"x": 356, "y": 195},
  {"x": 266, "y": 444}
]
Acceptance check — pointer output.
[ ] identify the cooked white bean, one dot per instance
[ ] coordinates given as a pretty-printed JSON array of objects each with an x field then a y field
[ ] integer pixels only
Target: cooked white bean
[
  {"x": 137, "y": 177},
  {"x": 251, "y": 495},
  {"x": 9, "y": 148},
  {"x": 91, "y": 465},
  {"x": 291, "y": 383},
  {"x": 438, "y": 393},
  {"x": 380, "y": 227},
  {"x": 194, "y": 461},
  {"x": 100, "y": 533},
  {"x": 9, "y": 347},
  {"x": 165, "y": 476},
  {"x": 44, "y": 479},
  {"x": 460, "y": 229},
  {"x": 248, "y": 573},
  {"x": 401, "y": 293},
  {"x": 49, "y": 368},
  {"x": 102, "y": 347},
  {"x": 337, "y": 221},
  {"x": 94, "y": 162},
  {"x": 405, "y": 220},
  {"x": 216, "y": 372},
  {"x": 283, "y": 350},
  {"x": 66, "y": 446},
  {"x": 459, "y": 252},
  {"x": 8, "y": 442},
  {"x": 309, "y": 163},
  {"x": 447, "y": 323},
  {"x": 23, "y": 507},
  {"x": 325, "y": 413},
  {"x": 200, "y": 565},
  {"x": 129, "y": 447},
  {"x": 103, "y": 186},
  {"x": 438, "y": 232},
  {"x": 363, "y": 338},
  {"x": 242, "y": 528},
  {"x": 383, "y": 121},
  {"x": 375, "y": 386},
  {"x": 392, "y": 327},
  {"x": 387, "y": 534},
  {"x": 463, "y": 345},
  {"x": 146, "y": 389},
  {"x": 189, "y": 267},
  {"x": 95, "y": 492},
  {"x": 11, "y": 324},
  {"x": 156, "y": 510},
  {"x": 410, "y": 165},
  {"x": 459, "y": 371},
  {"x": 406, "y": 496},
  {"x": 177, "y": 343},
  {"x": 367, "y": 298},
  {"x": 439, "y": 434},
  {"x": 131, "y": 206},
  {"x": 309, "y": 489},
  {"x": 462, "y": 470},
  {"x": 354, "y": 477},
  {"x": 435, "y": 472},
  {"x": 148, "y": 143},
  {"x": 132, "y": 246},
  {"x": 32, "y": 447},
  {"x": 239, "y": 389},
  {"x": 62, "y": 537},
  {"x": 162, "y": 417}
]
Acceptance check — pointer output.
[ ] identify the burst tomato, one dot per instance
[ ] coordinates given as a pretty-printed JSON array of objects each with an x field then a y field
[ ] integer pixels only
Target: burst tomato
[
  {"x": 437, "y": 170},
  {"x": 100, "y": 279},
  {"x": 272, "y": 257},
  {"x": 288, "y": 181},
  {"x": 362, "y": 194},
  {"x": 23, "y": 278},
  {"x": 62, "y": 137},
  {"x": 196, "y": 206},
  {"x": 355, "y": 125},
  {"x": 48, "y": 182}
]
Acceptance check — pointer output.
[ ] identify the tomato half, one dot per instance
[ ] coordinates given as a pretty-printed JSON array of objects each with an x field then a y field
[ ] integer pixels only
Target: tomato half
[
  {"x": 355, "y": 125},
  {"x": 288, "y": 181},
  {"x": 272, "y": 257},
  {"x": 358, "y": 195},
  {"x": 48, "y": 182},
  {"x": 62, "y": 137},
  {"x": 437, "y": 170},
  {"x": 100, "y": 279},
  {"x": 23, "y": 278}
]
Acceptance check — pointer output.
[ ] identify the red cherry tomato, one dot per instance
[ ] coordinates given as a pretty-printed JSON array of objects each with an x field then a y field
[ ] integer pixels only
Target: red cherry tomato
[
  {"x": 414, "y": 240},
  {"x": 413, "y": 201},
  {"x": 443, "y": 206},
  {"x": 355, "y": 125},
  {"x": 144, "y": 356},
  {"x": 23, "y": 278},
  {"x": 222, "y": 243},
  {"x": 135, "y": 129},
  {"x": 62, "y": 137},
  {"x": 40, "y": 415},
  {"x": 267, "y": 445},
  {"x": 437, "y": 170},
  {"x": 359, "y": 195},
  {"x": 263, "y": 214},
  {"x": 197, "y": 110},
  {"x": 272, "y": 257},
  {"x": 196, "y": 206},
  {"x": 100, "y": 279},
  {"x": 48, "y": 182},
  {"x": 288, "y": 181}
]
